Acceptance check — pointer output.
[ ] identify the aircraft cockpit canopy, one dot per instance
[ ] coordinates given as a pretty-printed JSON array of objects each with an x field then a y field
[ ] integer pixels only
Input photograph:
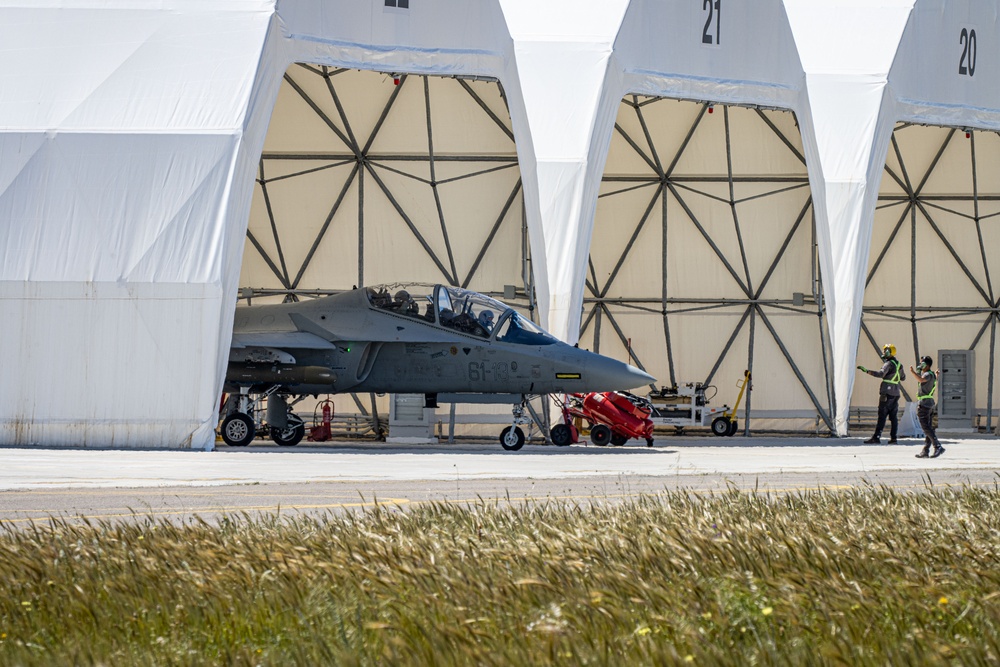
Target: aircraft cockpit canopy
[
  {"x": 459, "y": 309},
  {"x": 415, "y": 301}
]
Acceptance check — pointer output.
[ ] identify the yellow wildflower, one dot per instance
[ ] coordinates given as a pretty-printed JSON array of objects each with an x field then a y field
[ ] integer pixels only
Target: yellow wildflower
[
  {"x": 767, "y": 611},
  {"x": 943, "y": 600}
]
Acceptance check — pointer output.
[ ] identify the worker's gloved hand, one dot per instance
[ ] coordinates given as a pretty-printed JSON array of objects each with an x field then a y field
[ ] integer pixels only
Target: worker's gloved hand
[{"x": 862, "y": 369}]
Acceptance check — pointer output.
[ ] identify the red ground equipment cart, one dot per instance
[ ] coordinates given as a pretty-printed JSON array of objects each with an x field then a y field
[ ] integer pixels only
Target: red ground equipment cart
[{"x": 614, "y": 416}]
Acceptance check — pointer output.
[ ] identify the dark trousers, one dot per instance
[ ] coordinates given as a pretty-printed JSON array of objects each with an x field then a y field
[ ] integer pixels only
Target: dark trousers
[
  {"x": 888, "y": 406},
  {"x": 924, "y": 414}
]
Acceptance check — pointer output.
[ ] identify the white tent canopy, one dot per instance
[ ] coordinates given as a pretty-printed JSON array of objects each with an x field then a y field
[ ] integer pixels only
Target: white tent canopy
[{"x": 130, "y": 132}]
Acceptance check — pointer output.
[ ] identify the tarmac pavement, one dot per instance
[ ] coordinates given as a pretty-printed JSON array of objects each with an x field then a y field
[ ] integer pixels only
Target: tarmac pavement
[
  {"x": 339, "y": 462},
  {"x": 108, "y": 484}
]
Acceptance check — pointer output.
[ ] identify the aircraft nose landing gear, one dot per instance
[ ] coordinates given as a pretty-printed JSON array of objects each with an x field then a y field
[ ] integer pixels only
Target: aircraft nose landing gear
[{"x": 512, "y": 437}]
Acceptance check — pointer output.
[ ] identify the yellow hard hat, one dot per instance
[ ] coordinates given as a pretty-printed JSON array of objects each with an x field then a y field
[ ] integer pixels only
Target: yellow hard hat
[{"x": 889, "y": 349}]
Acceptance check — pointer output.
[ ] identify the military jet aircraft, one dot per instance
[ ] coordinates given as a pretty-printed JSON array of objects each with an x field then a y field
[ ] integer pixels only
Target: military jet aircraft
[{"x": 400, "y": 339}]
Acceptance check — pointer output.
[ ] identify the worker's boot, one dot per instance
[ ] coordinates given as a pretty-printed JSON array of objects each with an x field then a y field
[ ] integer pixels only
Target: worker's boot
[
  {"x": 874, "y": 440},
  {"x": 892, "y": 441},
  {"x": 938, "y": 451},
  {"x": 924, "y": 452}
]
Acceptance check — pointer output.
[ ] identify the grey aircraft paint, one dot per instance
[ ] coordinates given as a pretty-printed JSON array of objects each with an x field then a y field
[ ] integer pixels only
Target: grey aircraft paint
[{"x": 414, "y": 339}]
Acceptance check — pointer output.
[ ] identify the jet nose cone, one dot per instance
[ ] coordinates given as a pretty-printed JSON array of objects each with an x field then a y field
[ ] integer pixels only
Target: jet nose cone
[
  {"x": 611, "y": 375},
  {"x": 641, "y": 377}
]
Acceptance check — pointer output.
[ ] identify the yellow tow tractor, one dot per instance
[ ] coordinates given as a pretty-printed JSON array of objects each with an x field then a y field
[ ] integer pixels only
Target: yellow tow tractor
[{"x": 726, "y": 425}]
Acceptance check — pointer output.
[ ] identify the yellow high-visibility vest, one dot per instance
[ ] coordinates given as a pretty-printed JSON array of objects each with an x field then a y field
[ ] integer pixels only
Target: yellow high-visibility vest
[
  {"x": 932, "y": 392},
  {"x": 895, "y": 378}
]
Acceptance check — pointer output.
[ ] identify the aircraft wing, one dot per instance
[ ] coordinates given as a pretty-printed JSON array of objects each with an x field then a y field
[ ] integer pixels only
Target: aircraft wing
[{"x": 281, "y": 340}]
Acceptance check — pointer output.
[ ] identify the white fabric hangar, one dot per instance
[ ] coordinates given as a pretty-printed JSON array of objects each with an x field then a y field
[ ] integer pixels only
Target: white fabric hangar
[{"x": 784, "y": 178}]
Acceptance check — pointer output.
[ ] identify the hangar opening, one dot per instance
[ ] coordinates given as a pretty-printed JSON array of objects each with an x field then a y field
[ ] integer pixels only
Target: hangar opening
[
  {"x": 369, "y": 178},
  {"x": 930, "y": 283},
  {"x": 704, "y": 260}
]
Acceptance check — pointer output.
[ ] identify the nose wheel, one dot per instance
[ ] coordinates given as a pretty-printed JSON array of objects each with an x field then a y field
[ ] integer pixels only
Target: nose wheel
[{"x": 512, "y": 438}]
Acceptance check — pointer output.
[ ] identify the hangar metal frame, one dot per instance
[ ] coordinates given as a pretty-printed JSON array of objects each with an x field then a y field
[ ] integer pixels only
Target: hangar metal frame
[
  {"x": 667, "y": 182},
  {"x": 368, "y": 162},
  {"x": 917, "y": 204},
  {"x": 920, "y": 206}
]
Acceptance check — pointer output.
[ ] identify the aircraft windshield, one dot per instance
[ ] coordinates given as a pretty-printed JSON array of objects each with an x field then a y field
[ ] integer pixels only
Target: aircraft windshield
[
  {"x": 468, "y": 312},
  {"x": 522, "y": 331}
]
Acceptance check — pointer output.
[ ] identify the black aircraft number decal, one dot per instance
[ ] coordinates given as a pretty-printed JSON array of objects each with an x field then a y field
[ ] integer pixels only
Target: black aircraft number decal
[
  {"x": 708, "y": 35},
  {"x": 967, "y": 61},
  {"x": 484, "y": 371}
]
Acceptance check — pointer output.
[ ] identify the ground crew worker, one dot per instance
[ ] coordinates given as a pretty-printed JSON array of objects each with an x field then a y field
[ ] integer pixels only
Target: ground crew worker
[
  {"x": 888, "y": 394},
  {"x": 925, "y": 408}
]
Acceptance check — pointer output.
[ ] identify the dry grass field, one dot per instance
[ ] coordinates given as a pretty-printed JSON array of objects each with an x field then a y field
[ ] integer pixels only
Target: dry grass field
[{"x": 870, "y": 576}]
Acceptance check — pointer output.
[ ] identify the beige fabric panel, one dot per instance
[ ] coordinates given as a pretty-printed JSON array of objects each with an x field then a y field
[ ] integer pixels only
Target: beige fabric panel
[
  {"x": 770, "y": 190},
  {"x": 471, "y": 201}
]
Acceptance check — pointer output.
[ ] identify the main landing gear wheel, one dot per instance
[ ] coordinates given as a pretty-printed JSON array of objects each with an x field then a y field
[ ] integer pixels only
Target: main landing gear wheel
[
  {"x": 561, "y": 435},
  {"x": 733, "y": 427},
  {"x": 292, "y": 434},
  {"x": 618, "y": 440},
  {"x": 512, "y": 438},
  {"x": 721, "y": 426},
  {"x": 238, "y": 430},
  {"x": 600, "y": 435}
]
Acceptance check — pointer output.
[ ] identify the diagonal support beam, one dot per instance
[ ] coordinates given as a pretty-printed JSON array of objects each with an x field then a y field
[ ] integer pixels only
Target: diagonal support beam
[
  {"x": 795, "y": 369},
  {"x": 409, "y": 223},
  {"x": 729, "y": 344},
  {"x": 493, "y": 232},
  {"x": 708, "y": 239},
  {"x": 631, "y": 242}
]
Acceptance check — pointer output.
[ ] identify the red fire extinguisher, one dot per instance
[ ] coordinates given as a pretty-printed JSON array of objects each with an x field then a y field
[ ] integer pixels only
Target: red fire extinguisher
[{"x": 320, "y": 432}]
